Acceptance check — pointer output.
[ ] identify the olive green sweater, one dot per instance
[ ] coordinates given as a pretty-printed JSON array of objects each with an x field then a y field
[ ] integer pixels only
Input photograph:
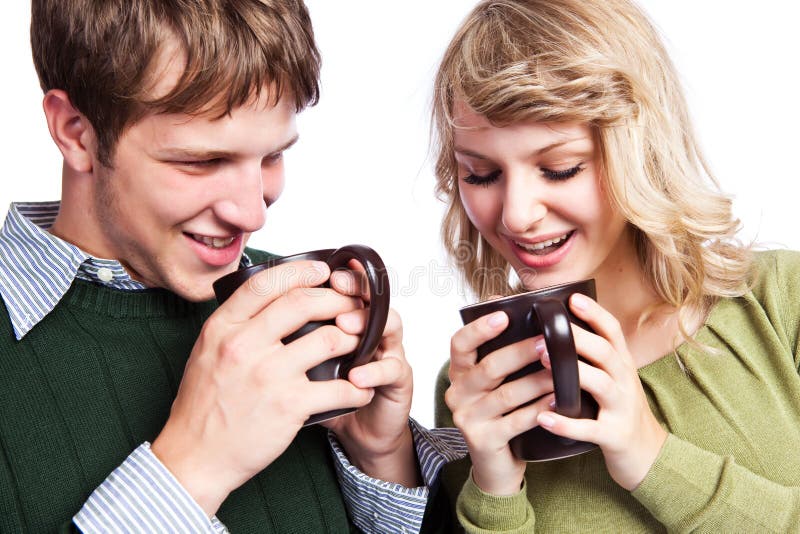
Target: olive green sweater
[
  {"x": 94, "y": 380},
  {"x": 731, "y": 462}
]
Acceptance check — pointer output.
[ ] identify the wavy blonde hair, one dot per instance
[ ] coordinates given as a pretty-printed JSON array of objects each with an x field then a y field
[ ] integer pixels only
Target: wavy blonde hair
[{"x": 602, "y": 64}]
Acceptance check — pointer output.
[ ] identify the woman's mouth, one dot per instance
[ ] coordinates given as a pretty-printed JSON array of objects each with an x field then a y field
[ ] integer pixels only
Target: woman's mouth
[
  {"x": 544, "y": 248},
  {"x": 545, "y": 253}
]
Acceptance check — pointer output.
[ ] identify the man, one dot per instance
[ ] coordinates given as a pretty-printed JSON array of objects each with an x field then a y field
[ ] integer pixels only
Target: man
[{"x": 127, "y": 398}]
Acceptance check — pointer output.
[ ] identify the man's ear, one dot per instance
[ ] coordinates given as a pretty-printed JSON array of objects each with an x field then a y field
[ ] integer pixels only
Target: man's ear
[{"x": 70, "y": 129}]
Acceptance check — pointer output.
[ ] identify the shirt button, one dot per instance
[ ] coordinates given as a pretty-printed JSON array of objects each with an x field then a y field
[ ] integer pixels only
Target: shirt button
[
  {"x": 375, "y": 515},
  {"x": 105, "y": 274}
]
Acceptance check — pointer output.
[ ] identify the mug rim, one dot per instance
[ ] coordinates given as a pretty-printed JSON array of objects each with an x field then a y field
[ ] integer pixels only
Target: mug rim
[
  {"x": 273, "y": 262},
  {"x": 526, "y": 293}
]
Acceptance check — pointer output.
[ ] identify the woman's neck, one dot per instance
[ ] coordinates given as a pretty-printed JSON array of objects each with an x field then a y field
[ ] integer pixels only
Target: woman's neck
[{"x": 650, "y": 326}]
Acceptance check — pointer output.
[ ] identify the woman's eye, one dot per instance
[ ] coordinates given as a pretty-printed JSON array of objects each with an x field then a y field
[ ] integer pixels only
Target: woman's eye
[
  {"x": 476, "y": 179},
  {"x": 562, "y": 175}
]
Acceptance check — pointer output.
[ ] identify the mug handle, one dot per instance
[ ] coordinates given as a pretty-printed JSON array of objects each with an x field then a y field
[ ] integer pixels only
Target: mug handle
[
  {"x": 557, "y": 332},
  {"x": 378, "y": 300}
]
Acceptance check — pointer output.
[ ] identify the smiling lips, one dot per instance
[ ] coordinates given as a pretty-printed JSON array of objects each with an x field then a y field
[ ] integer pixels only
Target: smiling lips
[
  {"x": 213, "y": 242},
  {"x": 216, "y": 251},
  {"x": 542, "y": 248}
]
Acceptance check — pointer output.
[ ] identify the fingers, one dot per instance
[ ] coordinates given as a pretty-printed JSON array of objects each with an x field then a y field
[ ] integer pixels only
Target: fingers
[
  {"x": 387, "y": 371},
  {"x": 335, "y": 394},
  {"x": 353, "y": 282},
  {"x": 322, "y": 344},
  {"x": 268, "y": 285},
  {"x": 354, "y": 322},
  {"x": 578, "y": 429},
  {"x": 600, "y": 319},
  {"x": 494, "y": 368},
  {"x": 466, "y": 340},
  {"x": 299, "y": 306},
  {"x": 510, "y": 396}
]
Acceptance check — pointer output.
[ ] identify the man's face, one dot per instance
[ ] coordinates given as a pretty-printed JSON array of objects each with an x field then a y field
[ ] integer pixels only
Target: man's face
[{"x": 184, "y": 194}]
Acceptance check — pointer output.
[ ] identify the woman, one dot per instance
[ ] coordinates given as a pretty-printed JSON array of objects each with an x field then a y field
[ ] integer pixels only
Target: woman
[{"x": 565, "y": 152}]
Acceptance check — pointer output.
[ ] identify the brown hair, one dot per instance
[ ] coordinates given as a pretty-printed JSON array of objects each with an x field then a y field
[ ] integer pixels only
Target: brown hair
[
  {"x": 103, "y": 54},
  {"x": 601, "y": 63}
]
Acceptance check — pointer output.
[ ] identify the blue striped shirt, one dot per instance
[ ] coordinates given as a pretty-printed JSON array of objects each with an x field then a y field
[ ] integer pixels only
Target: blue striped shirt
[{"x": 141, "y": 495}]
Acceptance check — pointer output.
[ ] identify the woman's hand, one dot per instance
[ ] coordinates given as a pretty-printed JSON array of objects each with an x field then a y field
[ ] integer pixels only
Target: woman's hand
[
  {"x": 625, "y": 429},
  {"x": 485, "y": 411}
]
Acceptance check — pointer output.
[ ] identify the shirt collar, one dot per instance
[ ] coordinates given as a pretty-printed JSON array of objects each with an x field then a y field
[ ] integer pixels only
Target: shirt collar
[{"x": 37, "y": 268}]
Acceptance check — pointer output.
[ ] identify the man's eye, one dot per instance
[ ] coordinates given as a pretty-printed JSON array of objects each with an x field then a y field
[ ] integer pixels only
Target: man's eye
[
  {"x": 201, "y": 163},
  {"x": 486, "y": 180},
  {"x": 565, "y": 174},
  {"x": 273, "y": 158}
]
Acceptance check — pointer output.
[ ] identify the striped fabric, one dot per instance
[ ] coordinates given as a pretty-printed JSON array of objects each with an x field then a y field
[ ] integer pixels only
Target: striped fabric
[
  {"x": 141, "y": 495},
  {"x": 379, "y": 507}
]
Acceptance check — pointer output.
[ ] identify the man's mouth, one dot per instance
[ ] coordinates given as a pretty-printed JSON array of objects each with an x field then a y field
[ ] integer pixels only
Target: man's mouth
[
  {"x": 543, "y": 248},
  {"x": 213, "y": 242}
]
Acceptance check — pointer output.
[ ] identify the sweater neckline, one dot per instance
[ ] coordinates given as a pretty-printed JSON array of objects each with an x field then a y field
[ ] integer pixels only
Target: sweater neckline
[{"x": 145, "y": 303}]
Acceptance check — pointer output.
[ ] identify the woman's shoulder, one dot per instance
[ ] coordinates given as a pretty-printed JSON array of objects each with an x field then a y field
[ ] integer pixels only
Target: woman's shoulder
[{"x": 777, "y": 270}]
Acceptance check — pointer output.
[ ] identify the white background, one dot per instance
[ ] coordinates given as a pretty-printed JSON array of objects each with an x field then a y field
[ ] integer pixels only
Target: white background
[{"x": 361, "y": 172}]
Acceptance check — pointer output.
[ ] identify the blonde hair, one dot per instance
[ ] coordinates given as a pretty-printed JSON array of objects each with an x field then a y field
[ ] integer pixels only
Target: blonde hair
[{"x": 602, "y": 64}]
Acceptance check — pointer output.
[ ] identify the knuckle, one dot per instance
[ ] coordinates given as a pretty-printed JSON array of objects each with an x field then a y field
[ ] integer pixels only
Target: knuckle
[
  {"x": 395, "y": 322},
  {"x": 492, "y": 369},
  {"x": 505, "y": 395},
  {"x": 451, "y": 399},
  {"x": 232, "y": 350},
  {"x": 460, "y": 420},
  {"x": 297, "y": 298},
  {"x": 331, "y": 338},
  {"x": 456, "y": 345}
]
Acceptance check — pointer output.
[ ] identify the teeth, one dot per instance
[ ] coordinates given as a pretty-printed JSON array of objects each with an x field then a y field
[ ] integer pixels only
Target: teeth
[
  {"x": 543, "y": 244},
  {"x": 214, "y": 242}
]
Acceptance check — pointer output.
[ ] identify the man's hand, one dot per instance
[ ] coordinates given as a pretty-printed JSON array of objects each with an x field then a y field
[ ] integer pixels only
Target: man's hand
[
  {"x": 377, "y": 437},
  {"x": 244, "y": 394}
]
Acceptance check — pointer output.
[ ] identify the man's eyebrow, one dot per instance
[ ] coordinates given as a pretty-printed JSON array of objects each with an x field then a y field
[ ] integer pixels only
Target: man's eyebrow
[
  {"x": 203, "y": 154},
  {"x": 539, "y": 152}
]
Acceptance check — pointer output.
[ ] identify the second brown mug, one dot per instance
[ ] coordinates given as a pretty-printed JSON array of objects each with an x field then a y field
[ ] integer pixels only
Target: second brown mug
[{"x": 544, "y": 312}]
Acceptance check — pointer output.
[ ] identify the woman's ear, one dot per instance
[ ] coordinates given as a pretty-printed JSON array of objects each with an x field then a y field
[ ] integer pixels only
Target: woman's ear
[{"x": 71, "y": 131}]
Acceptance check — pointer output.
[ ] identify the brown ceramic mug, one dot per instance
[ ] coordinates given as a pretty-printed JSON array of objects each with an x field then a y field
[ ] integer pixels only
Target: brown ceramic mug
[
  {"x": 544, "y": 312},
  {"x": 378, "y": 309}
]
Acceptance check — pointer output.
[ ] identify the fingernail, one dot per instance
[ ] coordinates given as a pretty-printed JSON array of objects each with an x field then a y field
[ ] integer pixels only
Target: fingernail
[
  {"x": 541, "y": 348},
  {"x": 579, "y": 301},
  {"x": 546, "y": 420},
  {"x": 552, "y": 404},
  {"x": 496, "y": 319}
]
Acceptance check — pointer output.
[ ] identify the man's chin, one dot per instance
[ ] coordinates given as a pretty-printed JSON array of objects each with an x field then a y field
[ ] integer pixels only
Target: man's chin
[{"x": 200, "y": 292}]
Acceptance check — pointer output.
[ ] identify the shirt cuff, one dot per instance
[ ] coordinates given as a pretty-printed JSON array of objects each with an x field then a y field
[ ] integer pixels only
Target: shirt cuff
[
  {"x": 141, "y": 495},
  {"x": 378, "y": 507}
]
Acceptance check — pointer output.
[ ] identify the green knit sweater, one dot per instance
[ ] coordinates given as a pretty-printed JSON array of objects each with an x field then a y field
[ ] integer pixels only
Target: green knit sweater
[
  {"x": 731, "y": 462},
  {"x": 94, "y": 380}
]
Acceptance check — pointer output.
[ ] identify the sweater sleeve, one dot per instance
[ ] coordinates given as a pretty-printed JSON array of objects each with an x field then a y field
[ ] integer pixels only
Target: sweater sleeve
[
  {"x": 690, "y": 489},
  {"x": 477, "y": 511},
  {"x": 480, "y": 512}
]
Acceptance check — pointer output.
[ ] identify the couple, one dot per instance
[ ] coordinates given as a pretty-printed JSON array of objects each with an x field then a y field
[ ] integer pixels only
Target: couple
[{"x": 131, "y": 402}]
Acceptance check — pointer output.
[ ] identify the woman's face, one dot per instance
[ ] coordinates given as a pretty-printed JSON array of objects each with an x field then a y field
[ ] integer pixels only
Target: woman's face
[{"x": 533, "y": 191}]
